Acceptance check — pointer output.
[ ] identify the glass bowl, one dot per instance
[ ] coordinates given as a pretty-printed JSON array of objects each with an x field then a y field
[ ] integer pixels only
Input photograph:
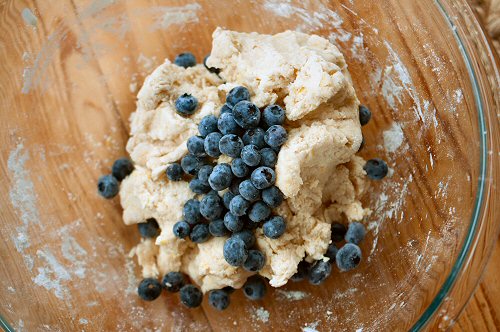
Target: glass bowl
[{"x": 70, "y": 72}]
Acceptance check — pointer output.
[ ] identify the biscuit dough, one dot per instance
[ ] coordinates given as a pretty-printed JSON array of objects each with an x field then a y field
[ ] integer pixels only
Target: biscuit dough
[{"x": 317, "y": 169}]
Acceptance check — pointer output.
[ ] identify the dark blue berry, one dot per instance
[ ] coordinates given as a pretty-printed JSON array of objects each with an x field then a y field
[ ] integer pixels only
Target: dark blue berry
[
  {"x": 250, "y": 155},
  {"x": 348, "y": 257},
  {"x": 198, "y": 187},
  {"x": 254, "y": 136},
  {"x": 239, "y": 205},
  {"x": 221, "y": 177},
  {"x": 181, "y": 229},
  {"x": 273, "y": 197},
  {"x": 235, "y": 186},
  {"x": 302, "y": 271},
  {"x": 122, "y": 168},
  {"x": 174, "y": 172},
  {"x": 227, "y": 125},
  {"x": 246, "y": 114},
  {"x": 228, "y": 289},
  {"x": 195, "y": 146},
  {"x": 263, "y": 177},
  {"x": 235, "y": 252},
  {"x": 364, "y": 115},
  {"x": 274, "y": 227},
  {"x": 233, "y": 223},
  {"x": 319, "y": 271},
  {"x": 185, "y": 60},
  {"x": 231, "y": 145},
  {"x": 275, "y": 136},
  {"x": 207, "y": 125},
  {"x": 255, "y": 261},
  {"x": 218, "y": 299},
  {"x": 228, "y": 196},
  {"x": 210, "y": 69},
  {"x": 108, "y": 186},
  {"x": 376, "y": 169},
  {"x": 273, "y": 115},
  {"x": 149, "y": 229},
  {"x": 149, "y": 289},
  {"x": 191, "y": 164},
  {"x": 355, "y": 233},
  {"x": 191, "y": 296},
  {"x": 268, "y": 157},
  {"x": 226, "y": 108},
  {"x": 259, "y": 211},
  {"x": 255, "y": 288},
  {"x": 211, "y": 144},
  {"x": 204, "y": 174},
  {"x": 191, "y": 211},
  {"x": 338, "y": 232},
  {"x": 248, "y": 191},
  {"x": 199, "y": 233},
  {"x": 239, "y": 168},
  {"x": 237, "y": 94},
  {"x": 247, "y": 236},
  {"x": 174, "y": 281},
  {"x": 217, "y": 228},
  {"x": 331, "y": 252},
  {"x": 211, "y": 207},
  {"x": 186, "y": 104}
]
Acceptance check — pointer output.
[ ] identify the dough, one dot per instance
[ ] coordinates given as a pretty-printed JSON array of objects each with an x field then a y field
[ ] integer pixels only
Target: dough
[{"x": 317, "y": 169}]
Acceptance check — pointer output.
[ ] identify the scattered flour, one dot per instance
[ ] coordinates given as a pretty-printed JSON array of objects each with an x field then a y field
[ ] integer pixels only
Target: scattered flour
[
  {"x": 393, "y": 137},
  {"x": 310, "y": 327},
  {"x": 262, "y": 315},
  {"x": 29, "y": 18},
  {"x": 52, "y": 275},
  {"x": 167, "y": 16},
  {"x": 291, "y": 295},
  {"x": 83, "y": 321}
]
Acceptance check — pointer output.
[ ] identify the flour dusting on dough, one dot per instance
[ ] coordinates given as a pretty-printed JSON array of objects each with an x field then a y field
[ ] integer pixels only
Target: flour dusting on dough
[{"x": 393, "y": 137}]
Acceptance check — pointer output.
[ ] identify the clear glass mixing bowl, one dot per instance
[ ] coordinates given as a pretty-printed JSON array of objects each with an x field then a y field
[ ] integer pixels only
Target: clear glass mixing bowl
[{"x": 70, "y": 72}]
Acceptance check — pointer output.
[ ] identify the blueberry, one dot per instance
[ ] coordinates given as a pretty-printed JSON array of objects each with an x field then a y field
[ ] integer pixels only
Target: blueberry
[
  {"x": 233, "y": 223},
  {"x": 237, "y": 94},
  {"x": 319, "y": 272},
  {"x": 239, "y": 205},
  {"x": 273, "y": 115},
  {"x": 235, "y": 252},
  {"x": 331, "y": 252},
  {"x": 121, "y": 168},
  {"x": 218, "y": 299},
  {"x": 227, "y": 125},
  {"x": 198, "y": 187},
  {"x": 221, "y": 177},
  {"x": 211, "y": 207},
  {"x": 149, "y": 229},
  {"x": 191, "y": 296},
  {"x": 250, "y": 155},
  {"x": 273, "y": 197},
  {"x": 274, "y": 227},
  {"x": 268, "y": 157},
  {"x": 263, "y": 177},
  {"x": 239, "y": 168},
  {"x": 217, "y": 228},
  {"x": 376, "y": 169},
  {"x": 254, "y": 136},
  {"x": 348, "y": 257},
  {"x": 181, "y": 229},
  {"x": 247, "y": 236},
  {"x": 355, "y": 233},
  {"x": 174, "y": 172},
  {"x": 228, "y": 196},
  {"x": 211, "y": 144},
  {"x": 259, "y": 211},
  {"x": 149, "y": 289},
  {"x": 302, "y": 271},
  {"x": 248, "y": 191},
  {"x": 231, "y": 145},
  {"x": 199, "y": 233},
  {"x": 338, "y": 232},
  {"x": 275, "y": 136},
  {"x": 191, "y": 211},
  {"x": 195, "y": 146},
  {"x": 174, "y": 281},
  {"x": 255, "y": 288},
  {"x": 364, "y": 115},
  {"x": 226, "y": 108},
  {"x": 207, "y": 125},
  {"x": 255, "y": 261},
  {"x": 228, "y": 289},
  {"x": 210, "y": 69},
  {"x": 186, "y": 104},
  {"x": 191, "y": 164},
  {"x": 107, "y": 186},
  {"x": 235, "y": 186},
  {"x": 246, "y": 114},
  {"x": 185, "y": 60},
  {"x": 204, "y": 174}
]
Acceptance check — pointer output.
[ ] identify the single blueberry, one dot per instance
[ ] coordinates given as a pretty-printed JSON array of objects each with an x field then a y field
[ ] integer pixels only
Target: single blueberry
[
  {"x": 239, "y": 168},
  {"x": 191, "y": 211},
  {"x": 108, "y": 186},
  {"x": 268, "y": 157},
  {"x": 233, "y": 223},
  {"x": 207, "y": 125},
  {"x": 199, "y": 233},
  {"x": 221, "y": 177},
  {"x": 247, "y": 236},
  {"x": 263, "y": 177},
  {"x": 226, "y": 108},
  {"x": 227, "y": 125},
  {"x": 210, "y": 69},
  {"x": 246, "y": 114},
  {"x": 376, "y": 169},
  {"x": 191, "y": 296},
  {"x": 174, "y": 281},
  {"x": 338, "y": 232},
  {"x": 239, "y": 205},
  {"x": 218, "y": 299},
  {"x": 273, "y": 197},
  {"x": 302, "y": 271},
  {"x": 191, "y": 164},
  {"x": 186, "y": 104},
  {"x": 185, "y": 60},
  {"x": 228, "y": 289},
  {"x": 255, "y": 288},
  {"x": 174, "y": 172},
  {"x": 198, "y": 187},
  {"x": 250, "y": 155},
  {"x": 274, "y": 227},
  {"x": 348, "y": 257},
  {"x": 364, "y": 115},
  {"x": 195, "y": 146},
  {"x": 235, "y": 186},
  {"x": 319, "y": 271},
  {"x": 275, "y": 136},
  {"x": 255, "y": 261},
  {"x": 228, "y": 196},
  {"x": 217, "y": 228},
  {"x": 273, "y": 115},
  {"x": 355, "y": 233},
  {"x": 248, "y": 191},
  {"x": 237, "y": 94},
  {"x": 235, "y": 252},
  {"x": 204, "y": 174},
  {"x": 211, "y": 207},
  {"x": 211, "y": 144},
  {"x": 331, "y": 252},
  {"x": 149, "y": 229},
  {"x": 181, "y": 229},
  {"x": 231, "y": 145},
  {"x": 259, "y": 211},
  {"x": 149, "y": 289},
  {"x": 122, "y": 168},
  {"x": 254, "y": 136}
]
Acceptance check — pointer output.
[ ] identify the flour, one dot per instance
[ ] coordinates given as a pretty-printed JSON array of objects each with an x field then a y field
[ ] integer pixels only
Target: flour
[
  {"x": 52, "y": 275},
  {"x": 291, "y": 295},
  {"x": 29, "y": 18},
  {"x": 393, "y": 138},
  {"x": 262, "y": 315},
  {"x": 310, "y": 327},
  {"x": 164, "y": 17}
]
